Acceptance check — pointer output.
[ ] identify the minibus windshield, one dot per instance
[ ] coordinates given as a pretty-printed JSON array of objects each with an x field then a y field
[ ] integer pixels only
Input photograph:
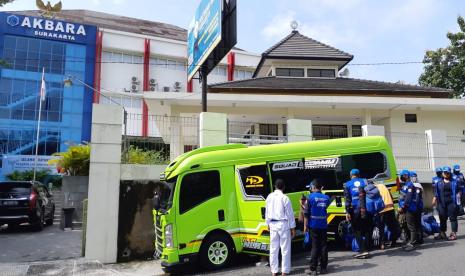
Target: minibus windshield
[{"x": 165, "y": 190}]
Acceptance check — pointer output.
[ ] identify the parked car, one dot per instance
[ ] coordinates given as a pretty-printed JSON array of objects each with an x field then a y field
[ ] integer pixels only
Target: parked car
[{"x": 26, "y": 201}]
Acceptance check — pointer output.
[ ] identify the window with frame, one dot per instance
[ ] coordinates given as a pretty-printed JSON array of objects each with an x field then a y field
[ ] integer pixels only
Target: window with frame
[
  {"x": 197, "y": 188},
  {"x": 290, "y": 72},
  {"x": 369, "y": 164},
  {"x": 268, "y": 131},
  {"x": 410, "y": 118},
  {"x": 321, "y": 73},
  {"x": 255, "y": 181}
]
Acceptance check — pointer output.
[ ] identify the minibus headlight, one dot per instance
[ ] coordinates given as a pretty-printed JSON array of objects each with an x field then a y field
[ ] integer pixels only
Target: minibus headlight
[{"x": 169, "y": 235}]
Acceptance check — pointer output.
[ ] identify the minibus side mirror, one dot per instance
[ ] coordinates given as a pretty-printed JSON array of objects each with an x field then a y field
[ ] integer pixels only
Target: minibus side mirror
[{"x": 156, "y": 202}]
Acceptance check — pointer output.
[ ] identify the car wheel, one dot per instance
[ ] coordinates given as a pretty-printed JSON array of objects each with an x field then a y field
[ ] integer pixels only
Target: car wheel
[
  {"x": 39, "y": 226},
  {"x": 49, "y": 221},
  {"x": 216, "y": 252}
]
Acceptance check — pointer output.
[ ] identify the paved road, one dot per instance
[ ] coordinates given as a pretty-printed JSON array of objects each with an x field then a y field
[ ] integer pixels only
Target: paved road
[{"x": 26, "y": 245}]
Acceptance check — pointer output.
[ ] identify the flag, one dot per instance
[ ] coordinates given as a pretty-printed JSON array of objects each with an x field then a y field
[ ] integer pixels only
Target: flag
[{"x": 43, "y": 90}]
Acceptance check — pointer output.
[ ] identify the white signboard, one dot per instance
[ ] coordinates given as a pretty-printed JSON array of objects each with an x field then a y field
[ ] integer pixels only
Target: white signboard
[
  {"x": 321, "y": 163},
  {"x": 11, "y": 163},
  {"x": 287, "y": 166}
]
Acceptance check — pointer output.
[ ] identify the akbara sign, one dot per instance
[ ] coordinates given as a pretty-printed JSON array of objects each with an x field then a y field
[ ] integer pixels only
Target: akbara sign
[{"x": 46, "y": 28}]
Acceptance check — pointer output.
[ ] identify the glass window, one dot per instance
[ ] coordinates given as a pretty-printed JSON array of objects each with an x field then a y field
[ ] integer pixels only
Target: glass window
[
  {"x": 197, "y": 188},
  {"x": 369, "y": 164},
  {"x": 291, "y": 172},
  {"x": 321, "y": 73},
  {"x": 137, "y": 60},
  {"x": 181, "y": 66},
  {"x": 106, "y": 56},
  {"x": 136, "y": 103},
  {"x": 356, "y": 130},
  {"x": 10, "y": 42},
  {"x": 116, "y": 57},
  {"x": 410, "y": 118},
  {"x": 290, "y": 72},
  {"x": 153, "y": 61},
  {"x": 248, "y": 74},
  {"x": 127, "y": 58},
  {"x": 171, "y": 64},
  {"x": 328, "y": 73},
  {"x": 255, "y": 181},
  {"x": 267, "y": 130}
]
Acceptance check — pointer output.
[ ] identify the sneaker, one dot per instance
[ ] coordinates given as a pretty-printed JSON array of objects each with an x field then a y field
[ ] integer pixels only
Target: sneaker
[
  {"x": 408, "y": 247},
  {"x": 362, "y": 255}
]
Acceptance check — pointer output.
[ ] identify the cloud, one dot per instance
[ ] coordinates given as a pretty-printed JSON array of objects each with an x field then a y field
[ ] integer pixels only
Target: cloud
[
  {"x": 279, "y": 26},
  {"x": 115, "y": 2}
]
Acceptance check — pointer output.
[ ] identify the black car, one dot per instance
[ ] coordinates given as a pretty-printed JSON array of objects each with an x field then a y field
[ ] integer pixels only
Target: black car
[{"x": 26, "y": 201}]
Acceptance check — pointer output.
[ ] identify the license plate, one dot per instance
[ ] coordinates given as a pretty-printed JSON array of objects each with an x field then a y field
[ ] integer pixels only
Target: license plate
[{"x": 9, "y": 203}]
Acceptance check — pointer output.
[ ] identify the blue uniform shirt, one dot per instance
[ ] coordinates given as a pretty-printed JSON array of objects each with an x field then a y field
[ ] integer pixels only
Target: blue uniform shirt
[
  {"x": 352, "y": 190},
  {"x": 460, "y": 180},
  {"x": 455, "y": 189},
  {"x": 317, "y": 203},
  {"x": 407, "y": 198}
]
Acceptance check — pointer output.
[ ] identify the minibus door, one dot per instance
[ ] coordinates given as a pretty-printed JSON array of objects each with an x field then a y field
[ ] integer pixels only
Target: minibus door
[{"x": 252, "y": 187}]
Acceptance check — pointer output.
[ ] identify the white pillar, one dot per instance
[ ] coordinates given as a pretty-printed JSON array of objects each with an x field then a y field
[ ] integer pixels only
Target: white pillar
[
  {"x": 371, "y": 130},
  {"x": 366, "y": 117},
  {"x": 437, "y": 147},
  {"x": 299, "y": 130},
  {"x": 104, "y": 180},
  {"x": 176, "y": 138},
  {"x": 213, "y": 129}
]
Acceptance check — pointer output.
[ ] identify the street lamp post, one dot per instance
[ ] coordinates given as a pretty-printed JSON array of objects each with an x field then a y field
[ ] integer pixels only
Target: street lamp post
[{"x": 68, "y": 82}]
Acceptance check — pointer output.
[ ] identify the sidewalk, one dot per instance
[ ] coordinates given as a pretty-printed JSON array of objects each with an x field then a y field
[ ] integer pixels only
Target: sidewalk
[{"x": 81, "y": 266}]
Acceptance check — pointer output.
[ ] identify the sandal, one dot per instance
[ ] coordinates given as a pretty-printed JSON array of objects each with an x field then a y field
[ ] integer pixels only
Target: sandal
[{"x": 452, "y": 237}]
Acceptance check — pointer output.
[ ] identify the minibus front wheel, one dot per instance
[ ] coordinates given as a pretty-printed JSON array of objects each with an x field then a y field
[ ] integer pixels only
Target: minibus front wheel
[{"x": 216, "y": 251}]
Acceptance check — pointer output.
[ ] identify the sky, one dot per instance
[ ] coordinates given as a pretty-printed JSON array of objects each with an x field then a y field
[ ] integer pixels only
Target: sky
[{"x": 373, "y": 31}]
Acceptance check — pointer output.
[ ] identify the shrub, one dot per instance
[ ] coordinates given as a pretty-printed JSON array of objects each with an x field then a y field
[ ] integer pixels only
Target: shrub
[{"x": 74, "y": 161}]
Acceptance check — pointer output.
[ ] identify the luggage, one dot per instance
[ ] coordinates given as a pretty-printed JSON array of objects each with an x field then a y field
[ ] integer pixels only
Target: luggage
[
  {"x": 374, "y": 201},
  {"x": 429, "y": 224}
]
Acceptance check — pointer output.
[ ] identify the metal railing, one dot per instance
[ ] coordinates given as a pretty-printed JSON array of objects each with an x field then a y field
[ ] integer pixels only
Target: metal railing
[
  {"x": 254, "y": 133},
  {"x": 168, "y": 137}
]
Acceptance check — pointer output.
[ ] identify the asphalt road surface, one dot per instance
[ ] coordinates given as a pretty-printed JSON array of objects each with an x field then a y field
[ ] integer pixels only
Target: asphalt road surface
[
  {"x": 25, "y": 245},
  {"x": 432, "y": 258}
]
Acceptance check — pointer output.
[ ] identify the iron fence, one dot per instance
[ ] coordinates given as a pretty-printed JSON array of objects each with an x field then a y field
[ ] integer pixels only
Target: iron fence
[
  {"x": 254, "y": 133},
  {"x": 456, "y": 149},
  {"x": 167, "y": 137},
  {"x": 410, "y": 150}
]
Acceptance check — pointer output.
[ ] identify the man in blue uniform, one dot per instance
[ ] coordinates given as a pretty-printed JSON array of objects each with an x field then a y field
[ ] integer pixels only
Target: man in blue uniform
[
  {"x": 447, "y": 198},
  {"x": 418, "y": 198},
  {"x": 408, "y": 206},
  {"x": 458, "y": 176},
  {"x": 355, "y": 204},
  {"x": 438, "y": 177},
  {"x": 316, "y": 222}
]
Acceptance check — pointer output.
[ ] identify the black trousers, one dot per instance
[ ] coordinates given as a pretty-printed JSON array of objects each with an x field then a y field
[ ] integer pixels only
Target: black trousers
[
  {"x": 413, "y": 225},
  {"x": 319, "y": 248},
  {"x": 418, "y": 225},
  {"x": 448, "y": 211},
  {"x": 362, "y": 227},
  {"x": 389, "y": 219}
]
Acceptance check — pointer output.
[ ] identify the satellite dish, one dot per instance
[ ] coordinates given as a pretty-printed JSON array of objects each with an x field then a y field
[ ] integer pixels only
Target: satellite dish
[{"x": 345, "y": 73}]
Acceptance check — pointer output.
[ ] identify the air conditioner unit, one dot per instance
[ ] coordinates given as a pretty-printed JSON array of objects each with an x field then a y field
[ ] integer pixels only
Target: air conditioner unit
[
  {"x": 152, "y": 88},
  {"x": 134, "y": 87},
  {"x": 152, "y": 82},
  {"x": 134, "y": 79},
  {"x": 177, "y": 86},
  {"x": 166, "y": 89}
]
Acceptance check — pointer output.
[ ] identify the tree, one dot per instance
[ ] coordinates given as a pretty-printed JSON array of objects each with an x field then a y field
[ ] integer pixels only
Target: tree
[
  {"x": 75, "y": 161},
  {"x": 445, "y": 67},
  {"x": 3, "y": 2}
]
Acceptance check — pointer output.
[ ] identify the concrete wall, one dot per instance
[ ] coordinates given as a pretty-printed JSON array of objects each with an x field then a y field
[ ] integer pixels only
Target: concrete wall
[{"x": 75, "y": 190}]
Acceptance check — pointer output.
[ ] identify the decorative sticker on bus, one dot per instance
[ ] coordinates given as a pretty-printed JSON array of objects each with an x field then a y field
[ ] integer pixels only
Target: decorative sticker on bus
[
  {"x": 325, "y": 163},
  {"x": 291, "y": 165},
  {"x": 254, "y": 182}
]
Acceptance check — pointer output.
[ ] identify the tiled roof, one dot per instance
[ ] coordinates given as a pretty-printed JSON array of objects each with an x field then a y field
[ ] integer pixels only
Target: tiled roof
[
  {"x": 118, "y": 23},
  {"x": 327, "y": 86},
  {"x": 296, "y": 45}
]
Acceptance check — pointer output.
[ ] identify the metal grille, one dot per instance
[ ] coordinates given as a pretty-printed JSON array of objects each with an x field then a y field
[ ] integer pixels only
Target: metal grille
[
  {"x": 410, "y": 150},
  {"x": 322, "y": 132},
  {"x": 158, "y": 236},
  {"x": 456, "y": 149}
]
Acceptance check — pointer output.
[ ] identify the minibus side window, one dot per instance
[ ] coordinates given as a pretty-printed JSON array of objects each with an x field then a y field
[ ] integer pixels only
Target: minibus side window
[
  {"x": 255, "y": 182},
  {"x": 197, "y": 188},
  {"x": 369, "y": 164}
]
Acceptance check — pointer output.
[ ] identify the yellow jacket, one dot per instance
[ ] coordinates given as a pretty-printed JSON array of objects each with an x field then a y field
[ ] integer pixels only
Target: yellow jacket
[{"x": 387, "y": 197}]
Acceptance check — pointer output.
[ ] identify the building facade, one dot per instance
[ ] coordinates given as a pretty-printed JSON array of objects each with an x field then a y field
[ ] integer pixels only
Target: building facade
[{"x": 118, "y": 57}]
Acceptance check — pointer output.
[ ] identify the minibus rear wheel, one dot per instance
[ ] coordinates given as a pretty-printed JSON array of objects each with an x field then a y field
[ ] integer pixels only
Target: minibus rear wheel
[{"x": 216, "y": 252}]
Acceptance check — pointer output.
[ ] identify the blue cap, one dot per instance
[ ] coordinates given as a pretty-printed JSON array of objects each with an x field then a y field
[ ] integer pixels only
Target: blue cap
[
  {"x": 446, "y": 169},
  {"x": 413, "y": 174},
  {"x": 438, "y": 169},
  {"x": 354, "y": 172},
  {"x": 404, "y": 172},
  {"x": 456, "y": 167}
]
